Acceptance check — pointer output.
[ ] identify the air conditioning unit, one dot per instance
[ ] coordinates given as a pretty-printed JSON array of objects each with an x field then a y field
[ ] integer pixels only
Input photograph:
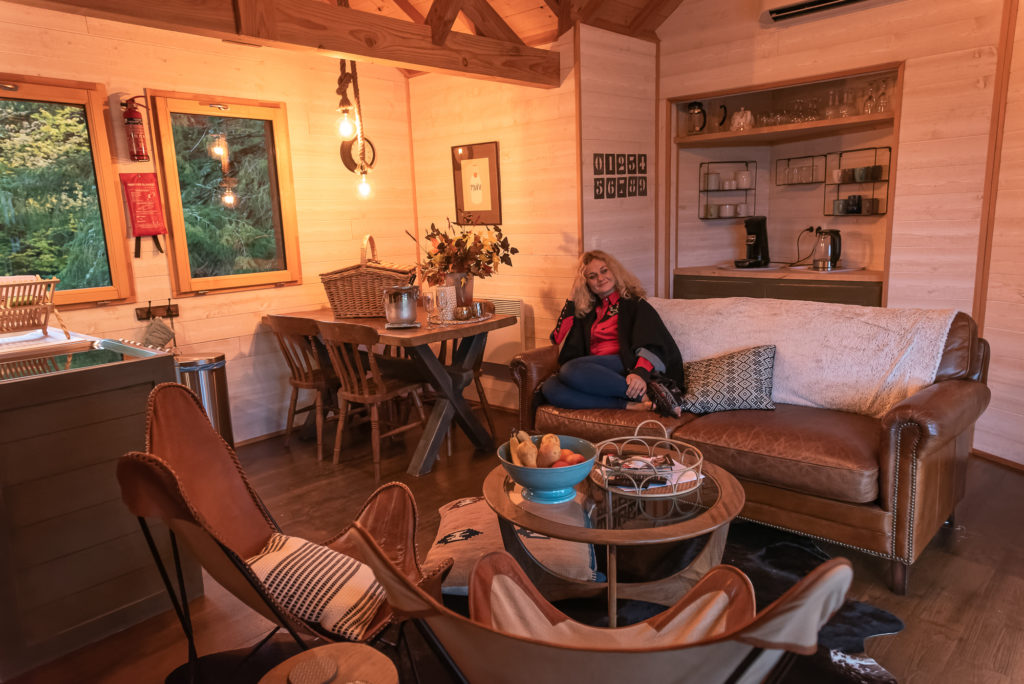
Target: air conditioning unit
[
  {"x": 504, "y": 343},
  {"x": 773, "y": 10}
]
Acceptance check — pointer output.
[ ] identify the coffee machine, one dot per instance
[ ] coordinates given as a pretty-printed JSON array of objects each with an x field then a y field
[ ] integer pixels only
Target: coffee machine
[{"x": 757, "y": 243}]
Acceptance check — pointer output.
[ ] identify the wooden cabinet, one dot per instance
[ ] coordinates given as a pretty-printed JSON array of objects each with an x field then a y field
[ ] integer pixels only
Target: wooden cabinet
[
  {"x": 74, "y": 566},
  {"x": 698, "y": 286}
]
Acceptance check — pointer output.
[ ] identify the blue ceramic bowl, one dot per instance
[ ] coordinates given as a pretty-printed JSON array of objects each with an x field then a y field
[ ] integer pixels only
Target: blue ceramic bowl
[{"x": 551, "y": 485}]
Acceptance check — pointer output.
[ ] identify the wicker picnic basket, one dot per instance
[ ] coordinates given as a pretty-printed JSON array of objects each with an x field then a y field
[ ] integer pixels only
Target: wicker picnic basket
[
  {"x": 358, "y": 291},
  {"x": 26, "y": 303}
]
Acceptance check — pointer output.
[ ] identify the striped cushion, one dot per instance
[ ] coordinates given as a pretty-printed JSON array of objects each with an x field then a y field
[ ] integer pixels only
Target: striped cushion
[{"x": 319, "y": 585}]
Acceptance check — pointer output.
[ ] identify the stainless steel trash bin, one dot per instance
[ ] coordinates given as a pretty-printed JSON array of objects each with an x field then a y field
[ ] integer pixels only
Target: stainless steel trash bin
[{"x": 205, "y": 374}]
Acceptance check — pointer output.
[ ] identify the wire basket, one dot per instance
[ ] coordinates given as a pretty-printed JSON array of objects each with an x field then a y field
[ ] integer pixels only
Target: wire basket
[
  {"x": 358, "y": 291},
  {"x": 26, "y": 303},
  {"x": 648, "y": 466}
]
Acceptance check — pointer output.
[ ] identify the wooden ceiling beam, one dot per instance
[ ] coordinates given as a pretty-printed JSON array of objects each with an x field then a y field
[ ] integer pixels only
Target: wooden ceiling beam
[
  {"x": 589, "y": 9},
  {"x": 411, "y": 11},
  {"x": 564, "y": 11},
  {"x": 488, "y": 22},
  {"x": 652, "y": 15},
  {"x": 440, "y": 19},
  {"x": 339, "y": 31}
]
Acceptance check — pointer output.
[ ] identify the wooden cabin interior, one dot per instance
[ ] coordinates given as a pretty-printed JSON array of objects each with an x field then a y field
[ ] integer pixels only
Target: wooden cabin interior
[{"x": 565, "y": 87}]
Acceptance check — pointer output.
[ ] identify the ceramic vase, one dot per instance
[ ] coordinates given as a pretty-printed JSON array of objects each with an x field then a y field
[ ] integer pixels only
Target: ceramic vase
[{"x": 463, "y": 283}]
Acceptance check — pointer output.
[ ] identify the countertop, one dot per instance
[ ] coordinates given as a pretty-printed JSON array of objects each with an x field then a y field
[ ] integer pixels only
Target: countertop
[{"x": 779, "y": 273}]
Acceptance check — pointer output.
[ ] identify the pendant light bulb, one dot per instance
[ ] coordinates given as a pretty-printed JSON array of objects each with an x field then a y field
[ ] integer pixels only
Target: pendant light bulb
[
  {"x": 228, "y": 199},
  {"x": 364, "y": 186},
  {"x": 346, "y": 127}
]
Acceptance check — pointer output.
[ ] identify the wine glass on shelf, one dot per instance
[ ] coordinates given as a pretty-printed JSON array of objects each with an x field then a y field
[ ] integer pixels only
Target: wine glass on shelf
[
  {"x": 882, "y": 105},
  {"x": 869, "y": 100}
]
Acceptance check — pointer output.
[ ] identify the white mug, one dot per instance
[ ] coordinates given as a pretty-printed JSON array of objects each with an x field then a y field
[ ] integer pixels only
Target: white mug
[
  {"x": 712, "y": 181},
  {"x": 744, "y": 180},
  {"x": 711, "y": 211},
  {"x": 742, "y": 209},
  {"x": 727, "y": 210}
]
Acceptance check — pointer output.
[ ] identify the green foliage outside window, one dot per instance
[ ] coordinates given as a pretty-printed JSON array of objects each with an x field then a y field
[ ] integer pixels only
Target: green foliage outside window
[
  {"x": 50, "y": 222},
  {"x": 245, "y": 237}
]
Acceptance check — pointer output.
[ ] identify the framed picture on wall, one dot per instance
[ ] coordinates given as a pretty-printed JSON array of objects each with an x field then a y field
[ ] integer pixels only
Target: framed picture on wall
[{"x": 477, "y": 183}]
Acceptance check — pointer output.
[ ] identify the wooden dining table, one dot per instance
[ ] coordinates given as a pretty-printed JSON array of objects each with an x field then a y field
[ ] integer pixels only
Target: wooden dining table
[{"x": 447, "y": 380}]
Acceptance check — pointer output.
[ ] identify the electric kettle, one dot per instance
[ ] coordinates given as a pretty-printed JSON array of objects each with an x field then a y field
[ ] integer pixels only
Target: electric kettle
[{"x": 826, "y": 251}]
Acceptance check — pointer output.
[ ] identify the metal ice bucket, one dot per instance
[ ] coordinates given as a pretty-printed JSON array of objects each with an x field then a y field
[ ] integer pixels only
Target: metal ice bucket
[{"x": 400, "y": 303}]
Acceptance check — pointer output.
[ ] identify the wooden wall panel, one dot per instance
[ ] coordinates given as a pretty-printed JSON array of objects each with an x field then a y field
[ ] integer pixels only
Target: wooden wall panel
[
  {"x": 949, "y": 50},
  {"x": 617, "y": 115},
  {"x": 1001, "y": 429},
  {"x": 331, "y": 218},
  {"x": 537, "y": 146}
]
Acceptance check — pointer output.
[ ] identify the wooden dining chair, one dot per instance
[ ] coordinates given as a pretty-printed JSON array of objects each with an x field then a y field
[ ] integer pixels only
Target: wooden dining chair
[
  {"x": 363, "y": 381},
  {"x": 296, "y": 338}
]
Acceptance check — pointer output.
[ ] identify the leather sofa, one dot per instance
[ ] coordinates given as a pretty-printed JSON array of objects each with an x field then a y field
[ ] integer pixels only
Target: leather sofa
[{"x": 883, "y": 485}]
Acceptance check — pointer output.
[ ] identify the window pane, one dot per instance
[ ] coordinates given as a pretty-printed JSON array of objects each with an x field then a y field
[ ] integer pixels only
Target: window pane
[
  {"x": 49, "y": 206},
  {"x": 229, "y": 194}
]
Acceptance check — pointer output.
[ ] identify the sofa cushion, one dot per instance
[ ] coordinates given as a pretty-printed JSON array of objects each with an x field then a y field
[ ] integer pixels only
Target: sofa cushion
[
  {"x": 740, "y": 380},
  {"x": 825, "y": 453},
  {"x": 600, "y": 424}
]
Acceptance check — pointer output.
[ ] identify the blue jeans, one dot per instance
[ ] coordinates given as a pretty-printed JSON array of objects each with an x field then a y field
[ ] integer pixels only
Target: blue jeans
[{"x": 588, "y": 382}]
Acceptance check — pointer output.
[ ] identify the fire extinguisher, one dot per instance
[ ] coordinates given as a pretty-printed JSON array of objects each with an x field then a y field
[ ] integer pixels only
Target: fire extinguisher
[{"x": 137, "y": 148}]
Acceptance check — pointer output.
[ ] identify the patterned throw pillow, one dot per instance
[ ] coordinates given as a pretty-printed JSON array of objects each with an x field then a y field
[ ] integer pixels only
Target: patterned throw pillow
[
  {"x": 740, "y": 380},
  {"x": 319, "y": 585},
  {"x": 469, "y": 530}
]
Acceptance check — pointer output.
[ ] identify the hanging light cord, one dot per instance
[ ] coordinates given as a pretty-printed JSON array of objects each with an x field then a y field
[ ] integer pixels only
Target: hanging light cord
[{"x": 359, "y": 118}]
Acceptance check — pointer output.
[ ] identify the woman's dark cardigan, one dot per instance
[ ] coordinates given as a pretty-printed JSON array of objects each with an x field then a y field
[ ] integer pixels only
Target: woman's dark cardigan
[{"x": 640, "y": 327}]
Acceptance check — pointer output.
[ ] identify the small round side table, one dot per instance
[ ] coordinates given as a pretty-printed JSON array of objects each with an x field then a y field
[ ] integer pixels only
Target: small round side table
[{"x": 355, "y": 663}]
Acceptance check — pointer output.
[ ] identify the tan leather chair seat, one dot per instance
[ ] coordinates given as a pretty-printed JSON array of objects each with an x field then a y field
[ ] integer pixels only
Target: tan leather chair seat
[{"x": 832, "y": 454}]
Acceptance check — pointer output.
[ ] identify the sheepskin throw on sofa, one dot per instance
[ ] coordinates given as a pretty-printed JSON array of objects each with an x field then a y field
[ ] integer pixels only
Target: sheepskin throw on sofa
[{"x": 861, "y": 359}]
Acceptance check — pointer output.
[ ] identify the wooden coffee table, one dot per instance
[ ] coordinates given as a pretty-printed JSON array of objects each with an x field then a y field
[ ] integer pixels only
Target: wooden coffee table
[{"x": 612, "y": 520}]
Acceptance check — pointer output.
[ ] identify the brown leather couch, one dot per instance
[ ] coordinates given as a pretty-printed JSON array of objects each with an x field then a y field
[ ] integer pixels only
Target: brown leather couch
[{"x": 883, "y": 486}]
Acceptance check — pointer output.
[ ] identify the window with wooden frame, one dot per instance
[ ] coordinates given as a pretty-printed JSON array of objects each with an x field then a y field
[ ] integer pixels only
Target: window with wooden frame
[
  {"x": 60, "y": 206},
  {"x": 228, "y": 183}
]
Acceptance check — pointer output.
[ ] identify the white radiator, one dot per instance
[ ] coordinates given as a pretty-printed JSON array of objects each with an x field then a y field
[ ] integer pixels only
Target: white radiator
[{"x": 504, "y": 343}]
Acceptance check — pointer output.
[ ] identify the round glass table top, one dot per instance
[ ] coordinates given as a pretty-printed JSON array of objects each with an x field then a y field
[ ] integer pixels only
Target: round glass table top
[{"x": 606, "y": 515}]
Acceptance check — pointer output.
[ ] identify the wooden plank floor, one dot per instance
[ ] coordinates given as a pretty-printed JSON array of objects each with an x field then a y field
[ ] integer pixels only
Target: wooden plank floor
[{"x": 964, "y": 613}]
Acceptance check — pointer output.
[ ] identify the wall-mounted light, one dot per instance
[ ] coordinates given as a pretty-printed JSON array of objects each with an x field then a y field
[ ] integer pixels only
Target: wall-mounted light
[{"x": 350, "y": 125}]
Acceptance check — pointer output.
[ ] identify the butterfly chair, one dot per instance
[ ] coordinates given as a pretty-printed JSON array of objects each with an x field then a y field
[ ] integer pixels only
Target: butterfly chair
[
  {"x": 296, "y": 338},
  {"x": 191, "y": 480},
  {"x": 712, "y": 634},
  {"x": 364, "y": 382}
]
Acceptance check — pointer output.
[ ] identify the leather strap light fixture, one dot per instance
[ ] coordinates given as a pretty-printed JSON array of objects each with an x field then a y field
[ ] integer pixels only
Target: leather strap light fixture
[{"x": 350, "y": 127}]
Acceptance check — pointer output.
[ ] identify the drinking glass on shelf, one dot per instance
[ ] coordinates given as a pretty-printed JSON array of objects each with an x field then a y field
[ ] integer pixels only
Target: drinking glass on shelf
[
  {"x": 832, "y": 108},
  {"x": 846, "y": 107}
]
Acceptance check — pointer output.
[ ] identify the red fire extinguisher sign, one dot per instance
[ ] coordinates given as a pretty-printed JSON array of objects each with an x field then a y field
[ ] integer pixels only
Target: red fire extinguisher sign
[{"x": 137, "y": 148}]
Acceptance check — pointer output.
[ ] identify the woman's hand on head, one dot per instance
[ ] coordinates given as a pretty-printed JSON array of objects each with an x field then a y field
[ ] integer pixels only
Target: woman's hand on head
[{"x": 636, "y": 387}]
